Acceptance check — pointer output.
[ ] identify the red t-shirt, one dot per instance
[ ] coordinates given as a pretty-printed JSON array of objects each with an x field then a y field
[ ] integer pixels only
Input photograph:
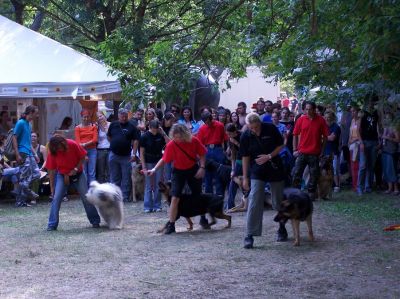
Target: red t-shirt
[
  {"x": 64, "y": 162},
  {"x": 173, "y": 153},
  {"x": 311, "y": 132},
  {"x": 214, "y": 134}
]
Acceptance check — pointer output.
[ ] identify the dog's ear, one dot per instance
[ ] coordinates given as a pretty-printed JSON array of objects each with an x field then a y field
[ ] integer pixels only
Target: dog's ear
[{"x": 162, "y": 187}]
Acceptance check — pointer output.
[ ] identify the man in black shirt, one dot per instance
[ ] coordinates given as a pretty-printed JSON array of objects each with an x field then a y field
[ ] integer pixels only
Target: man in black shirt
[
  {"x": 123, "y": 138},
  {"x": 260, "y": 147},
  {"x": 368, "y": 149}
]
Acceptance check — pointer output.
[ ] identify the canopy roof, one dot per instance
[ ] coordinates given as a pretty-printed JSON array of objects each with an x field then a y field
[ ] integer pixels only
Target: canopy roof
[{"x": 33, "y": 65}]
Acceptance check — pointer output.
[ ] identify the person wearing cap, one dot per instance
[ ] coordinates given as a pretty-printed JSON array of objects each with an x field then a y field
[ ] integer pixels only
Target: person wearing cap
[
  {"x": 213, "y": 136},
  {"x": 123, "y": 137},
  {"x": 86, "y": 135}
]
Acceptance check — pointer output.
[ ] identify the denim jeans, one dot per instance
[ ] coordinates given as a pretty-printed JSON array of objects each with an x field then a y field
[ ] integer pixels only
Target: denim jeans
[
  {"x": 120, "y": 173},
  {"x": 366, "y": 166},
  {"x": 60, "y": 189},
  {"x": 216, "y": 154},
  {"x": 152, "y": 197},
  {"x": 255, "y": 209},
  {"x": 11, "y": 174},
  {"x": 102, "y": 169},
  {"x": 90, "y": 165},
  {"x": 167, "y": 172}
]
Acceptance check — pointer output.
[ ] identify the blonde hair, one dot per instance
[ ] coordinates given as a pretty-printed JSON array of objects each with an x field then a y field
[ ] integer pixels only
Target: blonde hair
[
  {"x": 182, "y": 130},
  {"x": 252, "y": 118}
]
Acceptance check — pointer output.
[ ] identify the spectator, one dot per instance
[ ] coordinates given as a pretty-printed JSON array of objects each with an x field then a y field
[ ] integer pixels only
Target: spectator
[
  {"x": 151, "y": 145},
  {"x": 294, "y": 104},
  {"x": 41, "y": 152},
  {"x": 289, "y": 126},
  {"x": 260, "y": 107},
  {"x": 312, "y": 131},
  {"x": 241, "y": 111},
  {"x": 103, "y": 148},
  {"x": 175, "y": 110},
  {"x": 222, "y": 116},
  {"x": 260, "y": 147},
  {"x": 86, "y": 135},
  {"x": 235, "y": 120},
  {"x": 332, "y": 146},
  {"x": 65, "y": 165},
  {"x": 137, "y": 121},
  {"x": 390, "y": 139},
  {"x": 123, "y": 142},
  {"x": 168, "y": 121},
  {"x": 268, "y": 112},
  {"x": 188, "y": 120},
  {"x": 354, "y": 145},
  {"x": 368, "y": 148},
  {"x": 4, "y": 123},
  {"x": 149, "y": 116},
  {"x": 66, "y": 123},
  {"x": 184, "y": 150},
  {"x": 26, "y": 157}
]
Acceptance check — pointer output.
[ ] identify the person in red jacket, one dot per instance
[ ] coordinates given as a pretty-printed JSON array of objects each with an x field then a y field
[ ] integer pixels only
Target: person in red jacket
[
  {"x": 312, "y": 131},
  {"x": 64, "y": 163}
]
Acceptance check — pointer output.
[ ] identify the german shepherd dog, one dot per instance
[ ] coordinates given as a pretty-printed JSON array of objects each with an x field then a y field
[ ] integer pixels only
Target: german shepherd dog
[
  {"x": 191, "y": 205},
  {"x": 325, "y": 180},
  {"x": 296, "y": 206},
  {"x": 223, "y": 172}
]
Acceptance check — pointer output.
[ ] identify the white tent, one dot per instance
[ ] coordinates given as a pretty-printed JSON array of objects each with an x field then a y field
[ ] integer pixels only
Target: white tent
[{"x": 35, "y": 66}]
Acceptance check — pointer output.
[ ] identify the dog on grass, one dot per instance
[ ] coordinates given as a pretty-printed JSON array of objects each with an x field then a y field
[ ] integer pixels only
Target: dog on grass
[
  {"x": 137, "y": 177},
  {"x": 108, "y": 200},
  {"x": 296, "y": 206},
  {"x": 325, "y": 180},
  {"x": 191, "y": 205}
]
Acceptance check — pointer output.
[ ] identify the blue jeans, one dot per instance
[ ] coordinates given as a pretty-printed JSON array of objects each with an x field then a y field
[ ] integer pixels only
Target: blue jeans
[
  {"x": 120, "y": 173},
  {"x": 151, "y": 188},
  {"x": 90, "y": 165},
  {"x": 11, "y": 174},
  {"x": 367, "y": 164},
  {"x": 59, "y": 192},
  {"x": 216, "y": 154},
  {"x": 389, "y": 170},
  {"x": 167, "y": 172}
]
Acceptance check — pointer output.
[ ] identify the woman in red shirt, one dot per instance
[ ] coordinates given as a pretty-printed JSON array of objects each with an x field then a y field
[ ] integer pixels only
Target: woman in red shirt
[
  {"x": 183, "y": 150},
  {"x": 64, "y": 163},
  {"x": 86, "y": 134}
]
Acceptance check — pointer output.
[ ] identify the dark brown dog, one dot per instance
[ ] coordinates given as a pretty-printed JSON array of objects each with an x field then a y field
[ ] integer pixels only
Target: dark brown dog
[
  {"x": 296, "y": 206},
  {"x": 191, "y": 205},
  {"x": 325, "y": 180}
]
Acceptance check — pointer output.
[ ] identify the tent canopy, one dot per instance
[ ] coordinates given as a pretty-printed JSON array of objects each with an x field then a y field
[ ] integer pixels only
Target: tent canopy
[{"x": 35, "y": 66}]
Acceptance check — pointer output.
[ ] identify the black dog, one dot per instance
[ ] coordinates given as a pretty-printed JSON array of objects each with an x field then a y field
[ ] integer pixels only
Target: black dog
[
  {"x": 296, "y": 206},
  {"x": 191, "y": 205},
  {"x": 223, "y": 171}
]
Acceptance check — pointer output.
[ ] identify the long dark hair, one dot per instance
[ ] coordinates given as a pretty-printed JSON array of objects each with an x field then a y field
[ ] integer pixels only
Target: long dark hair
[
  {"x": 56, "y": 142},
  {"x": 28, "y": 110},
  {"x": 191, "y": 113}
]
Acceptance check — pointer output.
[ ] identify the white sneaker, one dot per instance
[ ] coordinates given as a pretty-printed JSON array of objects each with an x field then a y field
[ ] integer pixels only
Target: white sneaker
[{"x": 336, "y": 189}]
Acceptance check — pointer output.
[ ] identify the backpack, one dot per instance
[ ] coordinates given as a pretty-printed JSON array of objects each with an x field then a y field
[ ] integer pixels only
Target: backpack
[{"x": 9, "y": 151}]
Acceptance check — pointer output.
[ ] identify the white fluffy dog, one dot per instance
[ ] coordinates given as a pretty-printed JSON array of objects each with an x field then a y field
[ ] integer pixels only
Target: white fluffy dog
[{"x": 108, "y": 200}]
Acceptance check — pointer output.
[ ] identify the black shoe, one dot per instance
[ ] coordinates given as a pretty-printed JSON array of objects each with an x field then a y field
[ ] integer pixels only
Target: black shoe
[
  {"x": 22, "y": 204},
  {"x": 49, "y": 229},
  {"x": 204, "y": 223},
  {"x": 248, "y": 242},
  {"x": 170, "y": 228},
  {"x": 96, "y": 225},
  {"x": 282, "y": 235}
]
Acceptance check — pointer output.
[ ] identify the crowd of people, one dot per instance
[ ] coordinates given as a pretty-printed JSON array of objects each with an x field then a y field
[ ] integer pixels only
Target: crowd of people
[{"x": 269, "y": 146}]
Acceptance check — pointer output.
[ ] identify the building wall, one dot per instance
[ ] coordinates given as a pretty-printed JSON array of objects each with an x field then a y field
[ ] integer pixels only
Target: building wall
[{"x": 247, "y": 89}]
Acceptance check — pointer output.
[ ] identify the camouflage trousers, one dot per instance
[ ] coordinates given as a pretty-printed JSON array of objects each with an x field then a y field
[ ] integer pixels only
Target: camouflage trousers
[
  {"x": 303, "y": 160},
  {"x": 28, "y": 172}
]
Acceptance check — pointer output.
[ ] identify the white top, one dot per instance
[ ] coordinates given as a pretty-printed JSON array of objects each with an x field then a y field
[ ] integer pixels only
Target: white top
[{"x": 103, "y": 142}]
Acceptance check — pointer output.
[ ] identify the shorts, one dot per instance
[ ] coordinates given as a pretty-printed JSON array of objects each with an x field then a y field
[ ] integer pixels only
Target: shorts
[{"x": 181, "y": 177}]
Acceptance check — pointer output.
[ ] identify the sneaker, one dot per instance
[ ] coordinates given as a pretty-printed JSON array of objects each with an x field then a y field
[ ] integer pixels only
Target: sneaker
[
  {"x": 30, "y": 194},
  {"x": 147, "y": 211},
  {"x": 49, "y": 228},
  {"x": 158, "y": 210},
  {"x": 64, "y": 198},
  {"x": 96, "y": 225},
  {"x": 33, "y": 202},
  {"x": 22, "y": 204},
  {"x": 248, "y": 242},
  {"x": 204, "y": 222},
  {"x": 359, "y": 192},
  {"x": 170, "y": 228},
  {"x": 336, "y": 189}
]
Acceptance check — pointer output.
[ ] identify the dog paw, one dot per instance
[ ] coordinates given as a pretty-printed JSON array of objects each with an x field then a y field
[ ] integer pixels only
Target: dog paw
[{"x": 189, "y": 228}]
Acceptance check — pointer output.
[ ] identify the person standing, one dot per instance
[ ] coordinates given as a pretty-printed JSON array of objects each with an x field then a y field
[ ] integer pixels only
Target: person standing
[
  {"x": 151, "y": 146},
  {"x": 368, "y": 148},
  {"x": 41, "y": 152},
  {"x": 103, "y": 148},
  {"x": 313, "y": 132},
  {"x": 184, "y": 150},
  {"x": 261, "y": 107},
  {"x": 241, "y": 111},
  {"x": 26, "y": 157},
  {"x": 123, "y": 146},
  {"x": 260, "y": 147},
  {"x": 65, "y": 165},
  {"x": 86, "y": 134},
  {"x": 267, "y": 117}
]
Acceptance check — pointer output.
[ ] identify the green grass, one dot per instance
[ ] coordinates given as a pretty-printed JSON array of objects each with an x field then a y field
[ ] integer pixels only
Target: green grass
[{"x": 375, "y": 210}]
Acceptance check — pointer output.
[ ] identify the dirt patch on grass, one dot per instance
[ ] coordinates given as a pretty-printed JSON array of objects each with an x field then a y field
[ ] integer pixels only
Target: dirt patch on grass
[{"x": 77, "y": 261}]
